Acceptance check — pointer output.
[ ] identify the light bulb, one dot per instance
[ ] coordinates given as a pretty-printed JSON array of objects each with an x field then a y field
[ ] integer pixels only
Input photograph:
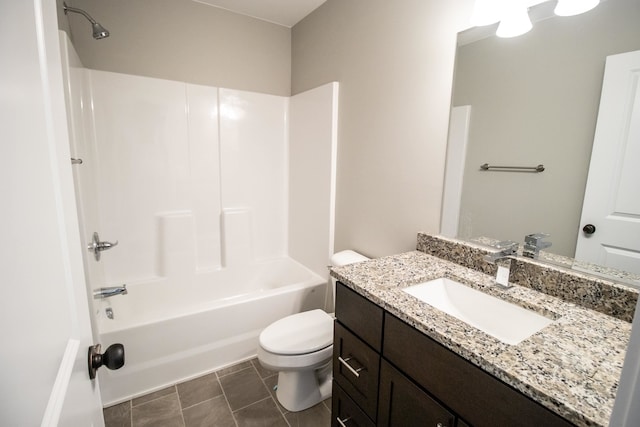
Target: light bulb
[
  {"x": 515, "y": 21},
  {"x": 574, "y": 7}
]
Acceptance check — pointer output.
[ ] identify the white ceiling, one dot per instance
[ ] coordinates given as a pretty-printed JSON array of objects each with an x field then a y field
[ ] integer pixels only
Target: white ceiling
[{"x": 283, "y": 12}]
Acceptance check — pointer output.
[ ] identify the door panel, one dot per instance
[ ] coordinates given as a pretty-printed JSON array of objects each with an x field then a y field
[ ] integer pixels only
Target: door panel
[
  {"x": 45, "y": 317},
  {"x": 611, "y": 201}
]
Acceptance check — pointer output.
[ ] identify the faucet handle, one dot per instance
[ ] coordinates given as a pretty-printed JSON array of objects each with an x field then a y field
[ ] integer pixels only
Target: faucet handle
[
  {"x": 509, "y": 245},
  {"x": 505, "y": 249},
  {"x": 535, "y": 240},
  {"x": 96, "y": 246},
  {"x": 533, "y": 244}
]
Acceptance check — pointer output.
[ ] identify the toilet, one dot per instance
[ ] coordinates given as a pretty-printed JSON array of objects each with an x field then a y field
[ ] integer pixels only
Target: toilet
[{"x": 299, "y": 347}]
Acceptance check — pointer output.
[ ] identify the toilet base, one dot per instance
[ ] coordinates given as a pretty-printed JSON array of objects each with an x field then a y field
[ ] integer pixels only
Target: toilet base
[{"x": 300, "y": 390}]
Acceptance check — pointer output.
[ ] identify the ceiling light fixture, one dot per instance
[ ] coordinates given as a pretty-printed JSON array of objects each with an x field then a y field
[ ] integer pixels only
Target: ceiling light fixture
[
  {"x": 515, "y": 21},
  {"x": 513, "y": 15},
  {"x": 574, "y": 7}
]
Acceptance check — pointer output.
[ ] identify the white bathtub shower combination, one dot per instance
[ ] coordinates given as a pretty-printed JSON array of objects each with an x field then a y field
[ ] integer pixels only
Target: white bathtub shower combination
[
  {"x": 174, "y": 331},
  {"x": 222, "y": 204}
]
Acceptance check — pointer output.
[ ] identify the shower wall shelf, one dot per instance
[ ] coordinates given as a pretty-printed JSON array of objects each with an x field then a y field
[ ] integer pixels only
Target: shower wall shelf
[{"x": 536, "y": 169}]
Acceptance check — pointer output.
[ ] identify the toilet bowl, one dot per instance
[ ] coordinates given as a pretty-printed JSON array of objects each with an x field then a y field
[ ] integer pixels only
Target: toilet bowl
[{"x": 299, "y": 347}]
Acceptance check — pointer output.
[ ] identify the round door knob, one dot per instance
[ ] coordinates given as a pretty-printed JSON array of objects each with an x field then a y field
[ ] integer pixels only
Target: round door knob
[
  {"x": 112, "y": 358},
  {"x": 589, "y": 229}
]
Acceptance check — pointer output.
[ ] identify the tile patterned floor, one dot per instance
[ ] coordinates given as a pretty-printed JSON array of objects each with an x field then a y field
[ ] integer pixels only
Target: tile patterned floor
[{"x": 239, "y": 396}]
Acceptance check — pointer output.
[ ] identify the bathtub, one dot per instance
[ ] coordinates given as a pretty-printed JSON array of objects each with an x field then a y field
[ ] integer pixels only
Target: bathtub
[{"x": 175, "y": 330}]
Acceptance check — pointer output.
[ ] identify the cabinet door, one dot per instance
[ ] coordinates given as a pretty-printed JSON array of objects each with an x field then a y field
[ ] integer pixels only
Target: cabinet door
[
  {"x": 402, "y": 403},
  {"x": 360, "y": 316},
  {"x": 355, "y": 369},
  {"x": 345, "y": 412}
]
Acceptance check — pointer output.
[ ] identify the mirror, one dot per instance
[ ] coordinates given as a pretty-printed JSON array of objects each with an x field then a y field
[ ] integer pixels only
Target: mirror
[{"x": 534, "y": 100}]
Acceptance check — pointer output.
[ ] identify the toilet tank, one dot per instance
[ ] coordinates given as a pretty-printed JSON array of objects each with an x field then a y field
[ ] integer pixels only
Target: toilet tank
[{"x": 338, "y": 260}]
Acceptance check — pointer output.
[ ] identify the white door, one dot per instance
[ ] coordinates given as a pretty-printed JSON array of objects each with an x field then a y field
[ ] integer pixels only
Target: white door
[
  {"x": 44, "y": 308},
  {"x": 612, "y": 198}
]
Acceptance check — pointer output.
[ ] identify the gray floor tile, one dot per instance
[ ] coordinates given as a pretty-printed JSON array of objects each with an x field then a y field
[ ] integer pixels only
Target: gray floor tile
[
  {"x": 243, "y": 388},
  {"x": 316, "y": 416},
  {"x": 162, "y": 412},
  {"x": 249, "y": 392},
  {"x": 152, "y": 396},
  {"x": 264, "y": 372},
  {"x": 234, "y": 368},
  {"x": 199, "y": 390},
  {"x": 261, "y": 414},
  {"x": 118, "y": 415},
  {"x": 210, "y": 413}
]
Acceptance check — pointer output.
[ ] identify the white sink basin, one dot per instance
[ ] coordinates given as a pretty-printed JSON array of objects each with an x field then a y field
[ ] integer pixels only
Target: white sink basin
[{"x": 507, "y": 322}]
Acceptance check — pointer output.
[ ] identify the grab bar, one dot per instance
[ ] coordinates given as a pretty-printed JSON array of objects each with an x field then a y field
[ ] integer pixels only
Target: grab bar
[{"x": 539, "y": 168}]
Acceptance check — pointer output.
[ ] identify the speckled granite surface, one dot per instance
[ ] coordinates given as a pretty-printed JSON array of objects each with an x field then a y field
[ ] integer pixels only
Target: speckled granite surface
[
  {"x": 624, "y": 277},
  {"x": 572, "y": 366},
  {"x": 603, "y": 295}
]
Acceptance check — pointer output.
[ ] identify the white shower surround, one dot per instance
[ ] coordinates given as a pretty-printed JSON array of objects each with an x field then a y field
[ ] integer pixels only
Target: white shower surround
[
  {"x": 184, "y": 171},
  {"x": 193, "y": 182}
]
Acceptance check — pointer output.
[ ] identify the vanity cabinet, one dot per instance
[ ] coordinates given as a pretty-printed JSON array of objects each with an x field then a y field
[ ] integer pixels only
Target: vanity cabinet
[
  {"x": 356, "y": 369},
  {"x": 387, "y": 373},
  {"x": 357, "y": 344},
  {"x": 403, "y": 403}
]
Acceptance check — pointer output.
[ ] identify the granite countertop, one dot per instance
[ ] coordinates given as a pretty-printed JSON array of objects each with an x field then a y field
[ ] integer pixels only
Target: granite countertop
[{"x": 571, "y": 367}]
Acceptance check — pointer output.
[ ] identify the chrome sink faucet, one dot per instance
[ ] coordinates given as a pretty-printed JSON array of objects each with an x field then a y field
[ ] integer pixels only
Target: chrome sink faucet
[
  {"x": 533, "y": 244},
  {"x": 110, "y": 291},
  {"x": 503, "y": 257}
]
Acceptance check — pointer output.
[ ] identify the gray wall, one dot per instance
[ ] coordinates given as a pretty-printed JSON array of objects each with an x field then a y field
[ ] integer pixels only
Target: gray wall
[
  {"x": 394, "y": 61},
  {"x": 535, "y": 100},
  {"x": 183, "y": 40}
]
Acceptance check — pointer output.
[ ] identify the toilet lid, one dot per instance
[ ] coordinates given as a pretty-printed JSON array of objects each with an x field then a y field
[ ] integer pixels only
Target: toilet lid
[{"x": 299, "y": 333}]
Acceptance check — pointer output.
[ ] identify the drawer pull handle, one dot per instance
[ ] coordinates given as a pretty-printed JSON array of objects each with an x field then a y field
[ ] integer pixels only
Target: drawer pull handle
[
  {"x": 343, "y": 422},
  {"x": 355, "y": 372}
]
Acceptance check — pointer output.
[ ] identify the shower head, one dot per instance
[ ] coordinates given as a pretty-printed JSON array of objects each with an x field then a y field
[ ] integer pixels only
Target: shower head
[{"x": 99, "y": 32}]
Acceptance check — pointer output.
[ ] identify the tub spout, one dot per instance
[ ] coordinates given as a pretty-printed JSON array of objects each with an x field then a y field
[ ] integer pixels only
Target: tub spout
[{"x": 110, "y": 291}]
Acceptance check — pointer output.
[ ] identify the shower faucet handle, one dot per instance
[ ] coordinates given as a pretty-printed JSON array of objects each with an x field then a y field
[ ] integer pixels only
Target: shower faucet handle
[{"x": 96, "y": 246}]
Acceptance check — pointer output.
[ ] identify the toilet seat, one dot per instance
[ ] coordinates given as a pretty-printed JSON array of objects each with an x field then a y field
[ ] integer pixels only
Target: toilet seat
[
  {"x": 295, "y": 362},
  {"x": 298, "y": 334}
]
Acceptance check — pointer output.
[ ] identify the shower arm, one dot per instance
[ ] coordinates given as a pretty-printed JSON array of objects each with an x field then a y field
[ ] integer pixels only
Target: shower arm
[
  {"x": 80, "y": 11},
  {"x": 99, "y": 32}
]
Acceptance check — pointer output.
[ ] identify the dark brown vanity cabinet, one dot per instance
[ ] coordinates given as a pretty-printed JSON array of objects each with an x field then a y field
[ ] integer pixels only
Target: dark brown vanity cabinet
[
  {"x": 357, "y": 344},
  {"x": 403, "y": 403},
  {"x": 387, "y": 373}
]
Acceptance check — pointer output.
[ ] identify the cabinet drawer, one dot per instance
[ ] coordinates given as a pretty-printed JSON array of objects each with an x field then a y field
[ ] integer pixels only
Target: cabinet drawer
[
  {"x": 476, "y": 396},
  {"x": 402, "y": 403},
  {"x": 346, "y": 410},
  {"x": 355, "y": 369},
  {"x": 360, "y": 315}
]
